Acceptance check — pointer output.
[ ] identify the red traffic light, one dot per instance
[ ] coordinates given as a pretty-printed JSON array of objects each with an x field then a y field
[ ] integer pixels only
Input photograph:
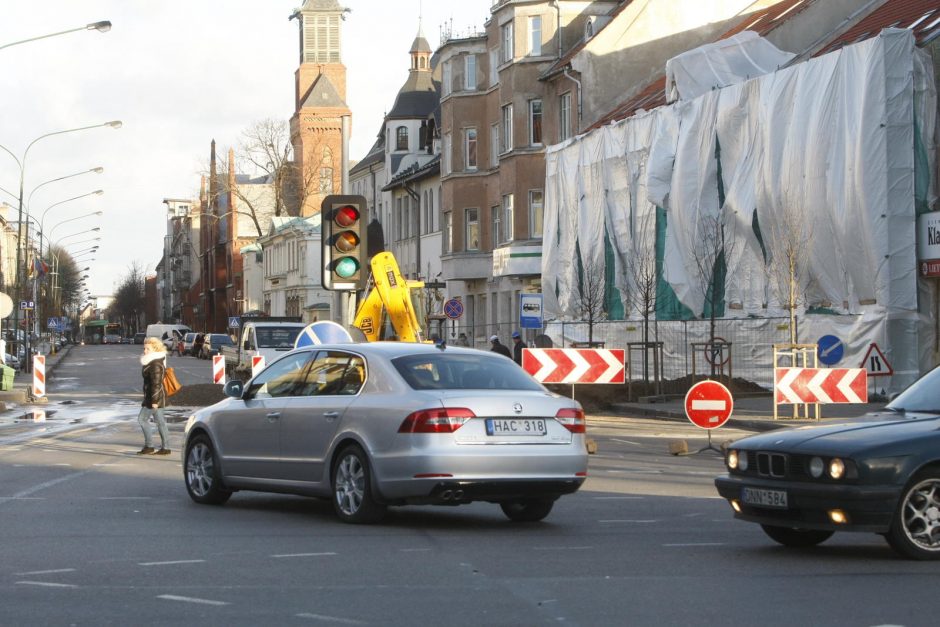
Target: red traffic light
[{"x": 346, "y": 216}]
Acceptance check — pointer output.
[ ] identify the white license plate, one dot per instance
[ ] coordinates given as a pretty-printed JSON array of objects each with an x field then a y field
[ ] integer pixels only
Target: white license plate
[
  {"x": 764, "y": 498},
  {"x": 515, "y": 426}
]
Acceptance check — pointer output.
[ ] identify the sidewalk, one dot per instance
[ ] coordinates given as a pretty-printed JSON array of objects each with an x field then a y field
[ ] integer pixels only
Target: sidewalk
[
  {"x": 754, "y": 413},
  {"x": 21, "y": 394}
]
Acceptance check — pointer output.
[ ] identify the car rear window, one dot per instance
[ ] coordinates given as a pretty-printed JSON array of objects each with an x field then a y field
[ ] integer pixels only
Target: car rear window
[{"x": 451, "y": 371}]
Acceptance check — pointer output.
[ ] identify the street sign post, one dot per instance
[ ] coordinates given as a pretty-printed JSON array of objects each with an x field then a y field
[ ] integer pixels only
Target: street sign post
[
  {"x": 453, "y": 309},
  {"x": 830, "y": 350},
  {"x": 530, "y": 311},
  {"x": 708, "y": 404}
]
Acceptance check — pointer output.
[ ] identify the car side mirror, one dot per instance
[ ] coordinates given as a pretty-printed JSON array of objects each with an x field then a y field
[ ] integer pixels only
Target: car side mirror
[
  {"x": 893, "y": 396},
  {"x": 247, "y": 345},
  {"x": 233, "y": 388}
]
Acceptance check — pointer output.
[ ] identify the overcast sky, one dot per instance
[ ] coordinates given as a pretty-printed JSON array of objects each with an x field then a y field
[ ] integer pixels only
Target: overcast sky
[{"x": 178, "y": 74}]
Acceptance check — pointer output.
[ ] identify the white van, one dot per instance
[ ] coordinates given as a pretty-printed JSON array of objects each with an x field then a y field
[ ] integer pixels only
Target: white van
[{"x": 169, "y": 334}]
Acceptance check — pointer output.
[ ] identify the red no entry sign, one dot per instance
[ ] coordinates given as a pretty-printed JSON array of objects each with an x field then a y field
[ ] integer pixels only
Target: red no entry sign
[{"x": 708, "y": 404}]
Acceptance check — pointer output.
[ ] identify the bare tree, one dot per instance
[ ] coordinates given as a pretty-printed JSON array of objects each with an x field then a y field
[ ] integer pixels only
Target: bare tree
[
  {"x": 787, "y": 265},
  {"x": 591, "y": 298},
  {"x": 127, "y": 308},
  {"x": 644, "y": 275}
]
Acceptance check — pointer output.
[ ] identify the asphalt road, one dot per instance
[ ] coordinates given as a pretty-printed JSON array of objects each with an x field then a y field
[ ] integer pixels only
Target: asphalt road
[{"x": 95, "y": 535}]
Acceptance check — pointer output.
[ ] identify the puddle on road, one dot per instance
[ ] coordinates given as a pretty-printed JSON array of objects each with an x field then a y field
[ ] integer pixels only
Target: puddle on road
[{"x": 37, "y": 415}]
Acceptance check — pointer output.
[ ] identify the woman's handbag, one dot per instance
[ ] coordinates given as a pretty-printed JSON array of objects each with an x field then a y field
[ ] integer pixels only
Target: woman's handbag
[{"x": 171, "y": 384}]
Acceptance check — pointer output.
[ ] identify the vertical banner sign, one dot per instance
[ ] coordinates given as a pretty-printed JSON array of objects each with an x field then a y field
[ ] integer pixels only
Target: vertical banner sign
[
  {"x": 257, "y": 365},
  {"x": 218, "y": 369},
  {"x": 39, "y": 375}
]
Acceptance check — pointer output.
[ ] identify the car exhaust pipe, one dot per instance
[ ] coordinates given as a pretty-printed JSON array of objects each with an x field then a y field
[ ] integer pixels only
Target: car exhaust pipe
[
  {"x": 458, "y": 495},
  {"x": 447, "y": 495}
]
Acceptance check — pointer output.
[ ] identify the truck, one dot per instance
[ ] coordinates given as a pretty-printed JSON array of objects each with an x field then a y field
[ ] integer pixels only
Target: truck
[{"x": 268, "y": 336}]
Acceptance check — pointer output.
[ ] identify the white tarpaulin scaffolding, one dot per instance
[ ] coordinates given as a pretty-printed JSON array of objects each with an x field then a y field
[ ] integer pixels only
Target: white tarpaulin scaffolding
[{"x": 830, "y": 157}]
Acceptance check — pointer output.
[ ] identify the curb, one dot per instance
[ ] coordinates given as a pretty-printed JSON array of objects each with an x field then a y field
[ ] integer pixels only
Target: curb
[{"x": 23, "y": 395}]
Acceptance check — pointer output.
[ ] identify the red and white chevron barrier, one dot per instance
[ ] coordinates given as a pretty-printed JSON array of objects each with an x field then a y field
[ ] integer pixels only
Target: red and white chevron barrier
[
  {"x": 257, "y": 365},
  {"x": 820, "y": 385},
  {"x": 39, "y": 375},
  {"x": 218, "y": 369},
  {"x": 574, "y": 365}
]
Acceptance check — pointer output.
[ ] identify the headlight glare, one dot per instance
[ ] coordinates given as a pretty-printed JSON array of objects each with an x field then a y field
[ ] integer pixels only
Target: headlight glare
[
  {"x": 816, "y": 467},
  {"x": 836, "y": 468},
  {"x": 733, "y": 460}
]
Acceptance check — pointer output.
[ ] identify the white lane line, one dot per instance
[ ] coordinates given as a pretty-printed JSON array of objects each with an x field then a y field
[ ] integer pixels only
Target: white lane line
[
  {"x": 62, "y": 464},
  {"x": 303, "y": 555},
  {"x": 625, "y": 441},
  {"x": 414, "y": 550},
  {"x": 49, "y": 484},
  {"x": 686, "y": 544},
  {"x": 124, "y": 498},
  {"x": 22, "y": 498},
  {"x": 171, "y": 563},
  {"x": 173, "y": 597},
  {"x": 332, "y": 619},
  {"x": 46, "y": 572},
  {"x": 638, "y": 522},
  {"x": 619, "y": 498},
  {"x": 46, "y": 584},
  {"x": 562, "y": 548}
]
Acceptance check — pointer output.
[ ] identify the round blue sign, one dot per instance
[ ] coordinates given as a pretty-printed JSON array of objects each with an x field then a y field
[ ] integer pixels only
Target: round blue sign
[
  {"x": 453, "y": 309},
  {"x": 830, "y": 350},
  {"x": 323, "y": 332}
]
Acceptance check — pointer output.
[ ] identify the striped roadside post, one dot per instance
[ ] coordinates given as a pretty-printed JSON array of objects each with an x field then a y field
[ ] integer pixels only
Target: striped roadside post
[
  {"x": 39, "y": 375},
  {"x": 218, "y": 369}
]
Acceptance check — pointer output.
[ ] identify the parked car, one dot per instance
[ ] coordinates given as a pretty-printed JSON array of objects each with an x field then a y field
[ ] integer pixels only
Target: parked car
[
  {"x": 398, "y": 423},
  {"x": 879, "y": 473},
  {"x": 190, "y": 342},
  {"x": 212, "y": 344},
  {"x": 139, "y": 338}
]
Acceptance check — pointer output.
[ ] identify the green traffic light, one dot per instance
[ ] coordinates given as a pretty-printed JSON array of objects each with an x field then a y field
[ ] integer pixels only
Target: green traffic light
[{"x": 347, "y": 267}]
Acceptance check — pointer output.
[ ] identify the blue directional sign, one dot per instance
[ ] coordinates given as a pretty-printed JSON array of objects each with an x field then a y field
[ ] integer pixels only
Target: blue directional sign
[
  {"x": 453, "y": 309},
  {"x": 323, "y": 332},
  {"x": 830, "y": 350},
  {"x": 530, "y": 311}
]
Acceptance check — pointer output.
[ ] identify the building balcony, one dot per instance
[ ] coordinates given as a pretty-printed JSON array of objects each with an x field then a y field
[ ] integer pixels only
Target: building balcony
[{"x": 466, "y": 266}]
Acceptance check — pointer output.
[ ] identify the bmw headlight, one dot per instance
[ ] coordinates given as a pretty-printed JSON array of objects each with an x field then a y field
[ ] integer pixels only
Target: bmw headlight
[
  {"x": 732, "y": 459},
  {"x": 836, "y": 468},
  {"x": 742, "y": 460},
  {"x": 816, "y": 467}
]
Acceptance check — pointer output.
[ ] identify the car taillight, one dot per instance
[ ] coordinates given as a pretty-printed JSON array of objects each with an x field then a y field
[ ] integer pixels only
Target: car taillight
[
  {"x": 440, "y": 420},
  {"x": 572, "y": 419}
]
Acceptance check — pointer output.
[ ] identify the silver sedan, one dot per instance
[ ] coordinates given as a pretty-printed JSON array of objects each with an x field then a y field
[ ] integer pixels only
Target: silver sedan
[{"x": 390, "y": 423}]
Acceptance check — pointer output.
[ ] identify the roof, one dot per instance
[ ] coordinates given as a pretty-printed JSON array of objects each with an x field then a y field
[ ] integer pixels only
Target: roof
[
  {"x": 415, "y": 172},
  {"x": 417, "y": 98},
  {"x": 924, "y": 14},
  {"x": 323, "y": 94},
  {"x": 565, "y": 59},
  {"x": 420, "y": 44},
  {"x": 321, "y": 5}
]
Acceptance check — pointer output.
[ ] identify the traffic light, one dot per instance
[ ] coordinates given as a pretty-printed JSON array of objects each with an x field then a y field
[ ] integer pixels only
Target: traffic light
[{"x": 343, "y": 222}]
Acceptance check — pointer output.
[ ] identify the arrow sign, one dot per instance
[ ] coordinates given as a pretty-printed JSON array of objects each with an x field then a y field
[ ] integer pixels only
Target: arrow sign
[
  {"x": 820, "y": 385},
  {"x": 574, "y": 365},
  {"x": 708, "y": 404}
]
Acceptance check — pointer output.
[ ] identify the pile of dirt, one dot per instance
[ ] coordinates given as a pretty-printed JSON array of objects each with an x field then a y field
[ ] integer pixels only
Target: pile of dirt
[
  {"x": 199, "y": 395},
  {"x": 595, "y": 398}
]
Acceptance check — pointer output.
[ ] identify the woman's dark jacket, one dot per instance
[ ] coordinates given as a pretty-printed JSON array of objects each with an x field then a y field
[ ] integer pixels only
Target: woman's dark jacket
[{"x": 154, "y": 365}]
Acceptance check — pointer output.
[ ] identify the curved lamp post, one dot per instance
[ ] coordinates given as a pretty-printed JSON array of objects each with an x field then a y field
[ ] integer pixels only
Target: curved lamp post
[
  {"x": 102, "y": 27},
  {"x": 42, "y": 218}
]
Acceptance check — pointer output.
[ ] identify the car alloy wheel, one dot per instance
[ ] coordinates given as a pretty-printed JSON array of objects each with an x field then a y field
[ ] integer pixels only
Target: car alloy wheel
[
  {"x": 797, "y": 538},
  {"x": 915, "y": 531},
  {"x": 203, "y": 481},
  {"x": 352, "y": 488}
]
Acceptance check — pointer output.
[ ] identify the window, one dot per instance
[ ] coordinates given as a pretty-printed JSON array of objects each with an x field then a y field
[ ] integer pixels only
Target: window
[
  {"x": 445, "y": 154},
  {"x": 507, "y": 128},
  {"x": 494, "y": 62},
  {"x": 494, "y": 227},
  {"x": 334, "y": 373},
  {"x": 470, "y": 148},
  {"x": 399, "y": 219},
  {"x": 506, "y": 39},
  {"x": 472, "y": 222},
  {"x": 281, "y": 379},
  {"x": 326, "y": 172},
  {"x": 447, "y": 241},
  {"x": 535, "y": 35},
  {"x": 507, "y": 218},
  {"x": 470, "y": 72},
  {"x": 564, "y": 116},
  {"x": 535, "y": 122},
  {"x": 447, "y": 79},
  {"x": 494, "y": 145},
  {"x": 321, "y": 40},
  {"x": 401, "y": 138},
  {"x": 536, "y": 206}
]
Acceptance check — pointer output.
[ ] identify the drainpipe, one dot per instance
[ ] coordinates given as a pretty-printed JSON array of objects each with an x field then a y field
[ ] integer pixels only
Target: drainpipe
[
  {"x": 569, "y": 76},
  {"x": 417, "y": 198},
  {"x": 557, "y": 28}
]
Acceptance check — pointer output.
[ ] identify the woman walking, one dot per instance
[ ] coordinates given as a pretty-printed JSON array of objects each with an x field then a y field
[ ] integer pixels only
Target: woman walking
[{"x": 154, "y": 365}]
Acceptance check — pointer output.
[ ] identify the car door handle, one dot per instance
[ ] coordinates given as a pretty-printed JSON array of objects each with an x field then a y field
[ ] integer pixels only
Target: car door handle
[
  {"x": 331, "y": 414},
  {"x": 274, "y": 415}
]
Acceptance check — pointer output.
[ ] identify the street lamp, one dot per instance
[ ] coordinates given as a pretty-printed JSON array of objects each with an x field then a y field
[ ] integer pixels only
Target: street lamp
[
  {"x": 42, "y": 218},
  {"x": 84, "y": 215},
  {"x": 20, "y": 248},
  {"x": 29, "y": 199},
  {"x": 102, "y": 27}
]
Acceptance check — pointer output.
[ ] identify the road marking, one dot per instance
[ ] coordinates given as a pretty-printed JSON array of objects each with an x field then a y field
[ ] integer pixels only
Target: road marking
[
  {"x": 618, "y": 498},
  {"x": 695, "y": 544},
  {"x": 49, "y": 484},
  {"x": 46, "y": 584},
  {"x": 61, "y": 464},
  {"x": 124, "y": 498},
  {"x": 173, "y": 597},
  {"x": 303, "y": 555},
  {"x": 332, "y": 619},
  {"x": 640, "y": 522},
  {"x": 562, "y": 548},
  {"x": 170, "y": 563},
  {"x": 47, "y": 572},
  {"x": 414, "y": 550},
  {"x": 625, "y": 441}
]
